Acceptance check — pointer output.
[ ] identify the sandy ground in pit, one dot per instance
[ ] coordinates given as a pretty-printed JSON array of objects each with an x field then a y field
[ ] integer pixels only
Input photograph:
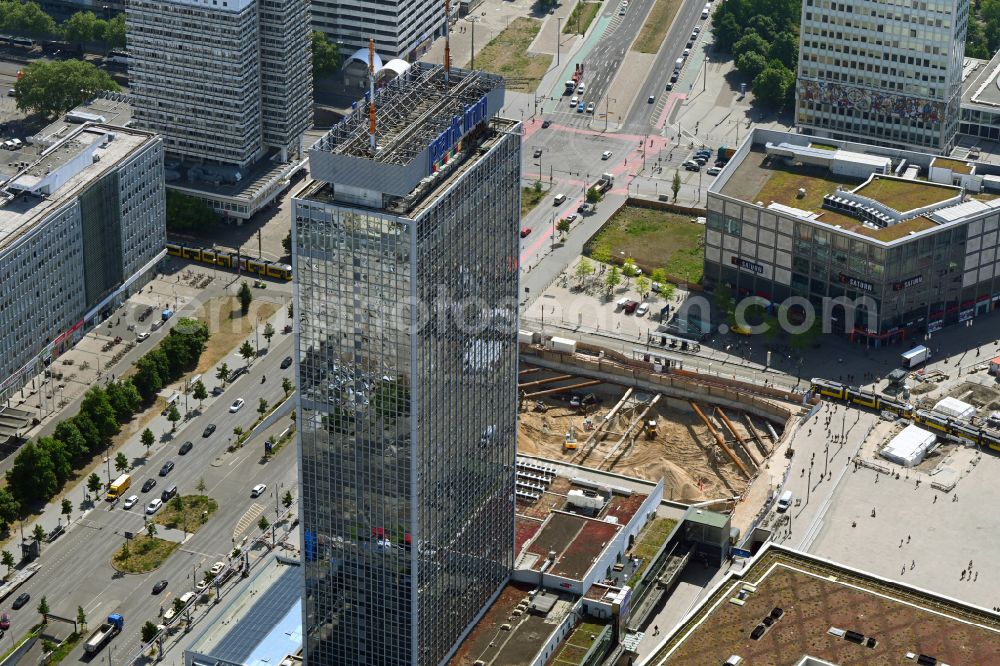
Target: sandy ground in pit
[{"x": 681, "y": 453}]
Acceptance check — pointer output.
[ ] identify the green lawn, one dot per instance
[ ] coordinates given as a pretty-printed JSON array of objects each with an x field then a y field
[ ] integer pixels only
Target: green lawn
[
  {"x": 654, "y": 239},
  {"x": 189, "y": 516},
  {"x": 530, "y": 198},
  {"x": 581, "y": 17},
  {"x": 650, "y": 540},
  {"x": 507, "y": 55},
  {"x": 144, "y": 554},
  {"x": 655, "y": 28},
  {"x": 578, "y": 644}
]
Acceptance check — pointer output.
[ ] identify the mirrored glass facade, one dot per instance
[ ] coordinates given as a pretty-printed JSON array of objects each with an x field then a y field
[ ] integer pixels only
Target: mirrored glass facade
[{"x": 407, "y": 361}]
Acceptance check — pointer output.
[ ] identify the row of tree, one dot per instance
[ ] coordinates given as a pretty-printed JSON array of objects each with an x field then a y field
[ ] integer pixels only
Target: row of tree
[
  {"x": 982, "y": 39},
  {"x": 53, "y": 88},
  {"x": 43, "y": 466},
  {"x": 763, "y": 38},
  {"x": 28, "y": 18}
]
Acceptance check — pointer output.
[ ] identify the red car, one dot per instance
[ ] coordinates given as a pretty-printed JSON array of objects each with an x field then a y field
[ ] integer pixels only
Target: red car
[
  {"x": 525, "y": 232},
  {"x": 5, "y": 622}
]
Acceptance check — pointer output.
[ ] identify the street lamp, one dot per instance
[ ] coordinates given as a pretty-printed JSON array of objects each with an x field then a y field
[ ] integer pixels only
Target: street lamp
[
  {"x": 558, "y": 40},
  {"x": 472, "y": 58},
  {"x": 607, "y": 110}
]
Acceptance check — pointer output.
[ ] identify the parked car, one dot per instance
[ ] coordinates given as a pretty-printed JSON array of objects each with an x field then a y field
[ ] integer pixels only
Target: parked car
[
  {"x": 159, "y": 587},
  {"x": 714, "y": 171},
  {"x": 642, "y": 310},
  {"x": 574, "y": 100},
  {"x": 581, "y": 107},
  {"x": 217, "y": 568},
  {"x": 525, "y": 232},
  {"x": 630, "y": 306},
  {"x": 651, "y": 99},
  {"x": 571, "y": 218},
  {"x": 148, "y": 485},
  {"x": 217, "y": 391},
  {"x": 142, "y": 336},
  {"x": 154, "y": 506},
  {"x": 673, "y": 77},
  {"x": 185, "y": 447},
  {"x": 286, "y": 362},
  {"x": 5, "y": 622},
  {"x": 690, "y": 42},
  {"x": 537, "y": 153},
  {"x": 590, "y": 108},
  {"x": 209, "y": 429},
  {"x": 546, "y": 123},
  {"x": 166, "y": 468},
  {"x": 130, "y": 501},
  {"x": 258, "y": 490},
  {"x": 686, "y": 53},
  {"x": 237, "y": 405},
  {"x": 21, "y": 600},
  {"x": 692, "y": 167},
  {"x": 670, "y": 86}
]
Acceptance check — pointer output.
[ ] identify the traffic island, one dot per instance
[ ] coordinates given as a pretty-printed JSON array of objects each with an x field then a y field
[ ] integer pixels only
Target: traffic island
[
  {"x": 186, "y": 512},
  {"x": 143, "y": 554}
]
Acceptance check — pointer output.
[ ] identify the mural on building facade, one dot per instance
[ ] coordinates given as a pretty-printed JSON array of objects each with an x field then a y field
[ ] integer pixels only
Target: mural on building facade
[{"x": 862, "y": 99}]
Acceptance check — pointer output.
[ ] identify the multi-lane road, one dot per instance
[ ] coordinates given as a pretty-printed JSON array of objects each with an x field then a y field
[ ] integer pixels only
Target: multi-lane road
[{"x": 76, "y": 568}]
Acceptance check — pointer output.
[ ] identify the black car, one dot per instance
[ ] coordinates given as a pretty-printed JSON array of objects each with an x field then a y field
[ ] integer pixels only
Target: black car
[
  {"x": 217, "y": 391},
  {"x": 21, "y": 600},
  {"x": 185, "y": 447},
  {"x": 670, "y": 86},
  {"x": 149, "y": 485},
  {"x": 673, "y": 77},
  {"x": 692, "y": 167},
  {"x": 237, "y": 373},
  {"x": 546, "y": 123},
  {"x": 285, "y": 362},
  {"x": 167, "y": 466},
  {"x": 159, "y": 587},
  {"x": 209, "y": 429}
]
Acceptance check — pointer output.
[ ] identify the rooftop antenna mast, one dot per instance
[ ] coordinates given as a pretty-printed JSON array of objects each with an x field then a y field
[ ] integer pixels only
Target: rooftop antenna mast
[
  {"x": 371, "y": 94},
  {"x": 447, "y": 44}
]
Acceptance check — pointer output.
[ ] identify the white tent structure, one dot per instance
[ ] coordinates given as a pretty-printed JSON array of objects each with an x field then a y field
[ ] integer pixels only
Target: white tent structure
[
  {"x": 909, "y": 447},
  {"x": 955, "y": 408}
]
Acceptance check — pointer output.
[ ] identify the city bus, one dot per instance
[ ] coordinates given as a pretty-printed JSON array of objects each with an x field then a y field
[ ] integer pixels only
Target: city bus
[{"x": 118, "y": 488}]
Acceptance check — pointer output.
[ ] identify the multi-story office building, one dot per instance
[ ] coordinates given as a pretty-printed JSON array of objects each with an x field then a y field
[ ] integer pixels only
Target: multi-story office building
[
  {"x": 908, "y": 242},
  {"x": 882, "y": 72},
  {"x": 406, "y": 260},
  {"x": 82, "y": 223},
  {"x": 400, "y": 28},
  {"x": 228, "y": 85}
]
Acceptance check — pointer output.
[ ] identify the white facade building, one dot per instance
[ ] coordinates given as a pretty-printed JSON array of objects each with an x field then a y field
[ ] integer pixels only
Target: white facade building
[
  {"x": 884, "y": 72},
  {"x": 82, "y": 224},
  {"x": 400, "y": 28},
  {"x": 223, "y": 81}
]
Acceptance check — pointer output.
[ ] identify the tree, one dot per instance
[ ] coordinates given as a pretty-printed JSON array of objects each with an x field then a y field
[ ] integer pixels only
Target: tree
[
  {"x": 81, "y": 616},
  {"x": 750, "y": 42},
  {"x": 286, "y": 385},
  {"x": 750, "y": 64},
  {"x": 593, "y": 195},
  {"x": 725, "y": 31},
  {"x": 9, "y": 508},
  {"x": 147, "y": 438},
  {"x": 601, "y": 253},
  {"x": 222, "y": 374},
  {"x": 238, "y": 431},
  {"x": 67, "y": 508},
  {"x": 286, "y": 499},
  {"x": 121, "y": 462},
  {"x": 62, "y": 466},
  {"x": 583, "y": 270},
  {"x": 199, "y": 392},
  {"x": 43, "y": 609},
  {"x": 325, "y": 55},
  {"x": 772, "y": 86},
  {"x": 289, "y": 310},
  {"x": 642, "y": 285},
  {"x": 148, "y": 632},
  {"x": 629, "y": 269},
  {"x": 268, "y": 332},
  {"x": 177, "y": 504},
  {"x": 286, "y": 244},
  {"x": 38, "y": 533},
  {"x": 785, "y": 49},
  {"x": 173, "y": 416},
  {"x": 263, "y": 524},
  {"x": 114, "y": 32},
  {"x": 32, "y": 477},
  {"x": 247, "y": 351},
  {"x": 27, "y": 19},
  {"x": 200, "y": 486},
  {"x": 659, "y": 276},
  {"x": 94, "y": 483},
  {"x": 262, "y": 407},
  {"x": 68, "y": 433},
  {"x": 82, "y": 28},
  {"x": 185, "y": 212},
  {"x": 151, "y": 529},
  {"x": 96, "y": 405},
  {"x": 612, "y": 279},
  {"x": 52, "y": 88},
  {"x": 7, "y": 560},
  {"x": 245, "y": 296},
  {"x": 563, "y": 225},
  {"x": 764, "y": 26},
  {"x": 675, "y": 185}
]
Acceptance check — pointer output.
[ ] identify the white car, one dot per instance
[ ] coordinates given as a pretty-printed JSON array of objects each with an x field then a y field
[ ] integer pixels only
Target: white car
[
  {"x": 142, "y": 336},
  {"x": 642, "y": 310},
  {"x": 714, "y": 171},
  {"x": 606, "y": 155},
  {"x": 201, "y": 586},
  {"x": 217, "y": 568},
  {"x": 574, "y": 101},
  {"x": 154, "y": 506},
  {"x": 686, "y": 53},
  {"x": 236, "y": 406},
  {"x": 258, "y": 490},
  {"x": 130, "y": 501}
]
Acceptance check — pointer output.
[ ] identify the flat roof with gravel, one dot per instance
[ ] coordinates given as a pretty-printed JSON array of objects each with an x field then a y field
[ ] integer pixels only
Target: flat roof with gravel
[{"x": 829, "y": 612}]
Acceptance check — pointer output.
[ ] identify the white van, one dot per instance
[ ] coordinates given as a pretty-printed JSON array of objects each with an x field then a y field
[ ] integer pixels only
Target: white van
[
  {"x": 784, "y": 501},
  {"x": 678, "y": 63},
  {"x": 705, "y": 10},
  {"x": 559, "y": 199}
]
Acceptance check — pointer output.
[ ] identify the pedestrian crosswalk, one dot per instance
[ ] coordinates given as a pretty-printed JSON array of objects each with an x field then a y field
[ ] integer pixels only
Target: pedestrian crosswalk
[{"x": 249, "y": 518}]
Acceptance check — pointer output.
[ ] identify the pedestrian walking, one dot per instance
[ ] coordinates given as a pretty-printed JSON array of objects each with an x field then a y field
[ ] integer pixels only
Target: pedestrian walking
[
  {"x": 935, "y": 500},
  {"x": 873, "y": 512},
  {"x": 977, "y": 576},
  {"x": 907, "y": 538},
  {"x": 913, "y": 563},
  {"x": 963, "y": 575},
  {"x": 900, "y": 543}
]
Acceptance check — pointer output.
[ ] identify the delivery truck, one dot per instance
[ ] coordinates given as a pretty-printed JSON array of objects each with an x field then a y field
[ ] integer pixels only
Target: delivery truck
[
  {"x": 915, "y": 356},
  {"x": 104, "y": 633}
]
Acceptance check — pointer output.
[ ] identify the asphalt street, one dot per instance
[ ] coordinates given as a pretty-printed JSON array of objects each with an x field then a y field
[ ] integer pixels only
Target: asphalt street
[{"x": 76, "y": 568}]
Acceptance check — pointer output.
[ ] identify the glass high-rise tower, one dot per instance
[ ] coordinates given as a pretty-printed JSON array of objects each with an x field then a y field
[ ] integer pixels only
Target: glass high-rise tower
[{"x": 406, "y": 257}]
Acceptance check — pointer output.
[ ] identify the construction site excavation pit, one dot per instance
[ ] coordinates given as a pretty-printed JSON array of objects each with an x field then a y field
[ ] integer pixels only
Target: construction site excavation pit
[{"x": 642, "y": 434}]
